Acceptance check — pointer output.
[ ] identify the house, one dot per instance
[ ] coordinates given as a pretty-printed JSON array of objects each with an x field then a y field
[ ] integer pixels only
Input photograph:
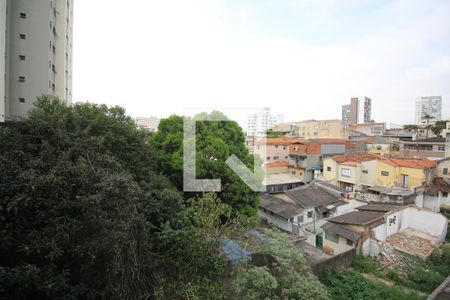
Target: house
[
  {"x": 443, "y": 167},
  {"x": 302, "y": 208},
  {"x": 438, "y": 197},
  {"x": 351, "y": 170},
  {"x": 378, "y": 228},
  {"x": 423, "y": 148},
  {"x": 280, "y": 182},
  {"x": 392, "y": 195},
  {"x": 405, "y": 172},
  {"x": 378, "y": 145},
  {"x": 274, "y": 149},
  {"x": 306, "y": 158},
  {"x": 363, "y": 170}
]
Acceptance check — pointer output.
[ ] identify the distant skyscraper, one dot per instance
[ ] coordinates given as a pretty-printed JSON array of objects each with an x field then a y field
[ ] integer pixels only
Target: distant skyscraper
[
  {"x": 353, "y": 112},
  {"x": 35, "y": 53},
  {"x": 259, "y": 123},
  {"x": 432, "y": 106},
  {"x": 367, "y": 110}
]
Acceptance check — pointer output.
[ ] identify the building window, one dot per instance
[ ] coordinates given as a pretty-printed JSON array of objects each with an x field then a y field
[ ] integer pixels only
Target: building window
[
  {"x": 23, "y": 15},
  {"x": 268, "y": 158},
  {"x": 310, "y": 214},
  {"x": 300, "y": 219},
  {"x": 53, "y": 86},
  {"x": 284, "y": 147},
  {"x": 346, "y": 173},
  {"x": 291, "y": 220},
  {"x": 22, "y": 57},
  {"x": 445, "y": 171},
  {"x": 365, "y": 171},
  {"x": 331, "y": 237},
  {"x": 349, "y": 243},
  {"x": 293, "y": 172},
  {"x": 276, "y": 146},
  {"x": 384, "y": 173},
  {"x": 276, "y": 157},
  {"x": 329, "y": 169},
  {"x": 445, "y": 194},
  {"x": 22, "y": 36},
  {"x": 49, "y": 84},
  {"x": 22, "y": 100},
  {"x": 21, "y": 78},
  {"x": 441, "y": 148}
]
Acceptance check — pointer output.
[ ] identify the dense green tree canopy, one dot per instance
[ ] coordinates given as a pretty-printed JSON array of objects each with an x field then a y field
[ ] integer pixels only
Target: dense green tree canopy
[
  {"x": 216, "y": 141},
  {"x": 79, "y": 201}
]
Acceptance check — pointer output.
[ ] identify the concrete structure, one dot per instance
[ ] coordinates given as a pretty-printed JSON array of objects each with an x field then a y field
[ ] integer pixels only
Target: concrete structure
[
  {"x": 281, "y": 182},
  {"x": 259, "y": 123},
  {"x": 432, "y": 106},
  {"x": 319, "y": 129},
  {"x": 274, "y": 149},
  {"x": 368, "y": 129},
  {"x": 363, "y": 170},
  {"x": 35, "y": 53},
  {"x": 430, "y": 148},
  {"x": 150, "y": 124},
  {"x": 375, "y": 228}
]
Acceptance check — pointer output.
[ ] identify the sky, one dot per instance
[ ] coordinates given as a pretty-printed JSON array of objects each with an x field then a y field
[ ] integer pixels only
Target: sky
[{"x": 302, "y": 58}]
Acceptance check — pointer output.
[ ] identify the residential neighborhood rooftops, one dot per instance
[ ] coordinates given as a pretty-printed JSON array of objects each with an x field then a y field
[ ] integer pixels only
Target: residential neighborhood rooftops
[
  {"x": 416, "y": 163},
  {"x": 376, "y": 140},
  {"x": 392, "y": 191},
  {"x": 342, "y": 230},
  {"x": 358, "y": 218},
  {"x": 379, "y": 207},
  {"x": 430, "y": 140},
  {"x": 280, "y": 178},
  {"x": 277, "y": 164},
  {"x": 333, "y": 187},
  {"x": 312, "y": 196},
  {"x": 355, "y": 157},
  {"x": 279, "y": 141},
  {"x": 280, "y": 207},
  {"x": 305, "y": 149}
]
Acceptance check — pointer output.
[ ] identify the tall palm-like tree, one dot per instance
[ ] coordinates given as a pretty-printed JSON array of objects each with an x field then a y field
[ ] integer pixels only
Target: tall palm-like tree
[
  {"x": 415, "y": 129},
  {"x": 427, "y": 117}
]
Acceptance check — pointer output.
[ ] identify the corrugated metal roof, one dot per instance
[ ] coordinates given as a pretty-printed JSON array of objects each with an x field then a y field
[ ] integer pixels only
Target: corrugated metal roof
[
  {"x": 311, "y": 196},
  {"x": 342, "y": 230},
  {"x": 280, "y": 207},
  {"x": 358, "y": 218},
  {"x": 379, "y": 207}
]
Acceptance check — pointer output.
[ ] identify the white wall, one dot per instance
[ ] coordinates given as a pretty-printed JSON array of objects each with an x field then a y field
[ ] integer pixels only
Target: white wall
[{"x": 432, "y": 223}]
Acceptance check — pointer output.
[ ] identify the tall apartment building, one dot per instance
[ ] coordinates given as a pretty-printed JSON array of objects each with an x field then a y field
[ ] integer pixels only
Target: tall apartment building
[
  {"x": 35, "y": 53},
  {"x": 356, "y": 113},
  {"x": 430, "y": 105},
  {"x": 260, "y": 122}
]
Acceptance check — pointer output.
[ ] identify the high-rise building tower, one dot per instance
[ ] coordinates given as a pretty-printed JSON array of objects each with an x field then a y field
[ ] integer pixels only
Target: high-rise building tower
[
  {"x": 260, "y": 122},
  {"x": 367, "y": 110},
  {"x": 35, "y": 53},
  {"x": 431, "y": 106},
  {"x": 355, "y": 113}
]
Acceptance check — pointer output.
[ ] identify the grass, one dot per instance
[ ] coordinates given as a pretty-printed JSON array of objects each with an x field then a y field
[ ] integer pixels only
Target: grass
[{"x": 346, "y": 285}]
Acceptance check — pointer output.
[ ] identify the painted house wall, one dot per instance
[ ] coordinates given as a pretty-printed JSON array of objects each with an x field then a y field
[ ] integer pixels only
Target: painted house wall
[
  {"x": 269, "y": 153},
  {"x": 386, "y": 181},
  {"x": 353, "y": 178},
  {"x": 339, "y": 247},
  {"x": 432, "y": 223},
  {"x": 368, "y": 179},
  {"x": 331, "y": 175},
  {"x": 441, "y": 165}
]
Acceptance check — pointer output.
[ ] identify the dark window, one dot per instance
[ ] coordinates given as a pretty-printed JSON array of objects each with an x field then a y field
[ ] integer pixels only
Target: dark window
[
  {"x": 329, "y": 169},
  {"x": 276, "y": 157},
  {"x": 365, "y": 171},
  {"x": 21, "y": 78},
  {"x": 441, "y": 148},
  {"x": 445, "y": 194},
  {"x": 276, "y": 146},
  {"x": 22, "y": 100},
  {"x": 300, "y": 219},
  {"x": 284, "y": 147},
  {"x": 350, "y": 243},
  {"x": 22, "y": 57},
  {"x": 268, "y": 158},
  {"x": 23, "y": 15},
  {"x": 22, "y": 36},
  {"x": 291, "y": 220},
  {"x": 384, "y": 173},
  {"x": 310, "y": 214},
  {"x": 445, "y": 171}
]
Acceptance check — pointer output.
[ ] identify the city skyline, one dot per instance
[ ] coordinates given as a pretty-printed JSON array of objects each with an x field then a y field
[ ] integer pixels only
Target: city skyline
[{"x": 301, "y": 58}]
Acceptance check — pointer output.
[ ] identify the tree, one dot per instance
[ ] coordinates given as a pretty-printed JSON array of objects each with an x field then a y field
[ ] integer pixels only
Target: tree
[
  {"x": 286, "y": 276},
  {"x": 427, "y": 117},
  {"x": 215, "y": 142},
  {"x": 80, "y": 205},
  {"x": 438, "y": 127}
]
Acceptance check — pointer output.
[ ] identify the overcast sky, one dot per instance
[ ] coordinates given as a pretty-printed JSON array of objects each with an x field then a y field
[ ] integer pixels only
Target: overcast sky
[{"x": 301, "y": 58}]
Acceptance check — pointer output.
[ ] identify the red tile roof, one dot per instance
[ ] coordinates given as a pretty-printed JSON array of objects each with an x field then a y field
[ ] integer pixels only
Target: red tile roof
[
  {"x": 355, "y": 158},
  {"x": 416, "y": 163},
  {"x": 304, "y": 149},
  {"x": 277, "y": 164},
  {"x": 280, "y": 141}
]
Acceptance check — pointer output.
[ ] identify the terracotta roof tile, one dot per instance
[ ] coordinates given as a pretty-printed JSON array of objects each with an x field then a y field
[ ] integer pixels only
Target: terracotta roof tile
[
  {"x": 355, "y": 157},
  {"x": 416, "y": 163},
  {"x": 279, "y": 141},
  {"x": 277, "y": 164}
]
